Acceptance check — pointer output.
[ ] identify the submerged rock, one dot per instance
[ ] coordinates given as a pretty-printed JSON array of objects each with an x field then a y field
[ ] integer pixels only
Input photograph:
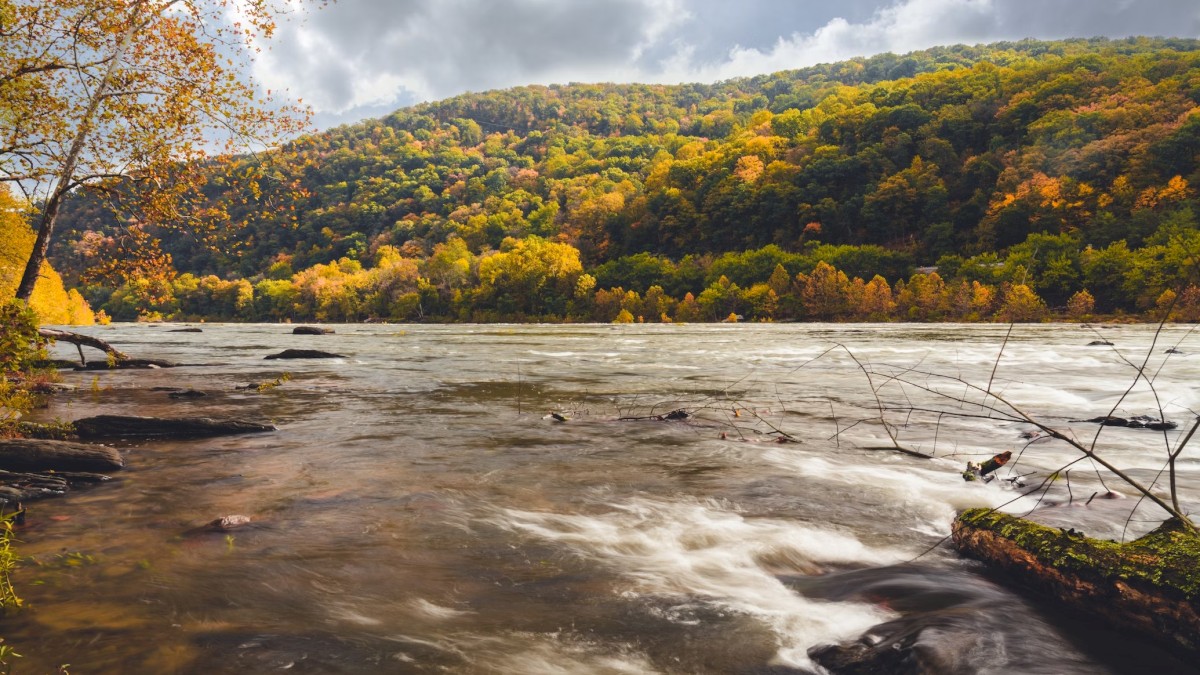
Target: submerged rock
[
  {"x": 311, "y": 330},
  {"x": 130, "y": 426},
  {"x": 304, "y": 354},
  {"x": 227, "y": 523}
]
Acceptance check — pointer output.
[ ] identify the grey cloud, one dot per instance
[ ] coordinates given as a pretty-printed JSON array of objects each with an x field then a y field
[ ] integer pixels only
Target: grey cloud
[
  {"x": 360, "y": 57},
  {"x": 442, "y": 47},
  {"x": 1070, "y": 18}
]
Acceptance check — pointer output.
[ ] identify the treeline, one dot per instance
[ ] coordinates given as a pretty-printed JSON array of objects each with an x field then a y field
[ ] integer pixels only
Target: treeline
[
  {"x": 533, "y": 279},
  {"x": 939, "y": 157}
]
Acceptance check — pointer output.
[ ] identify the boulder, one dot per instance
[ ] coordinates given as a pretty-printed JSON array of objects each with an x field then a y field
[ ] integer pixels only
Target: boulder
[
  {"x": 25, "y": 454},
  {"x": 185, "y": 330},
  {"x": 304, "y": 354},
  {"x": 311, "y": 330},
  {"x": 130, "y": 426}
]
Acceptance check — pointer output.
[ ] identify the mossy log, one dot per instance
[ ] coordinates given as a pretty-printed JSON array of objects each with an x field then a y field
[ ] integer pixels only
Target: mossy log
[{"x": 1150, "y": 585}]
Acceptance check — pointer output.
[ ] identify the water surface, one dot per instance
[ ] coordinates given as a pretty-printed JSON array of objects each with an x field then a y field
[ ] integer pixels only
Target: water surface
[{"x": 419, "y": 511}]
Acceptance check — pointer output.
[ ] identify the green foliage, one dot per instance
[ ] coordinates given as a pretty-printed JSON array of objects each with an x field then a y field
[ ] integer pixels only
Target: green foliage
[{"x": 20, "y": 344}]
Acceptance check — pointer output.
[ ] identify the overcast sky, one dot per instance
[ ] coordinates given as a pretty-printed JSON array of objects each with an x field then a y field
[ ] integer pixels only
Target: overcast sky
[{"x": 365, "y": 58}]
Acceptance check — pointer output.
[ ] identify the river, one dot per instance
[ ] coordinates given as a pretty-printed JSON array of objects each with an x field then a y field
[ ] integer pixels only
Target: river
[{"x": 418, "y": 510}]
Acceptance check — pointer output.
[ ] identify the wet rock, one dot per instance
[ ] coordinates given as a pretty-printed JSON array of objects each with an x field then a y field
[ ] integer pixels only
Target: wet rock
[
  {"x": 75, "y": 478},
  {"x": 1172, "y": 350},
  {"x": 24, "y": 454},
  {"x": 185, "y": 330},
  {"x": 186, "y": 393},
  {"x": 1099, "y": 343},
  {"x": 227, "y": 523},
  {"x": 130, "y": 426},
  {"x": 889, "y": 657},
  {"x": 304, "y": 354},
  {"x": 1135, "y": 422},
  {"x": 311, "y": 330}
]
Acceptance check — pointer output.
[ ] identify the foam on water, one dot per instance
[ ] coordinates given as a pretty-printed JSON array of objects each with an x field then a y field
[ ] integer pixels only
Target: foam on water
[
  {"x": 933, "y": 496},
  {"x": 703, "y": 549}
]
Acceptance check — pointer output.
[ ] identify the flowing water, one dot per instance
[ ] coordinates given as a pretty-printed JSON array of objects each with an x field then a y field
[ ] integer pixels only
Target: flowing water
[{"x": 418, "y": 511}]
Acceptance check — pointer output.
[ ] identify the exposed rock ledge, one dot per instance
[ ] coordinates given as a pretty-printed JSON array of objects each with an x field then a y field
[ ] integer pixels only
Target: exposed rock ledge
[
  {"x": 130, "y": 426},
  {"x": 1151, "y": 585},
  {"x": 21, "y": 454}
]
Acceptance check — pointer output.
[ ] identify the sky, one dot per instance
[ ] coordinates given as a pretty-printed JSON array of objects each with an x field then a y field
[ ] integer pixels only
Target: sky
[{"x": 356, "y": 59}]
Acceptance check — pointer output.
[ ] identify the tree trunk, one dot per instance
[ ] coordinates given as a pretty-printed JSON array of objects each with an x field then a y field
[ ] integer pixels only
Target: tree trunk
[{"x": 66, "y": 179}]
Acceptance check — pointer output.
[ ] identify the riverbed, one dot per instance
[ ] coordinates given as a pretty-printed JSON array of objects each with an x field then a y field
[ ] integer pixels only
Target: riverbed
[{"x": 422, "y": 508}]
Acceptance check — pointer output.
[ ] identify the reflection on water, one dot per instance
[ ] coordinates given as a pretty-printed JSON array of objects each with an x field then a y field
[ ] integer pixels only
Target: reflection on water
[{"x": 419, "y": 511}]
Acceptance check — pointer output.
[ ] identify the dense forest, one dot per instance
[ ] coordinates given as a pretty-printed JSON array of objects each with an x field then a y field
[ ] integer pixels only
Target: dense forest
[{"x": 1008, "y": 181}]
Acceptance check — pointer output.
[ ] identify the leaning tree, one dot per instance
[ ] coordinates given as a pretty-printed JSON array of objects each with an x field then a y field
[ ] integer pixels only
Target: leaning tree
[{"x": 137, "y": 98}]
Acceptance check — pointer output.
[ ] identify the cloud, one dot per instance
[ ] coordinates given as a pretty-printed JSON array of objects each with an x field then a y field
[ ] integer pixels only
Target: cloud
[
  {"x": 369, "y": 52},
  {"x": 357, "y": 58}
]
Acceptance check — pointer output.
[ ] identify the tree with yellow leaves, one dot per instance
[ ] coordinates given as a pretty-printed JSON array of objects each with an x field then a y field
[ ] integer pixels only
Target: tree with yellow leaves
[
  {"x": 131, "y": 94},
  {"x": 50, "y": 301}
]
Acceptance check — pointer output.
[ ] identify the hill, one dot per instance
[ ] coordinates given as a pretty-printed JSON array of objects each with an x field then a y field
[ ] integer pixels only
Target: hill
[{"x": 1066, "y": 167}]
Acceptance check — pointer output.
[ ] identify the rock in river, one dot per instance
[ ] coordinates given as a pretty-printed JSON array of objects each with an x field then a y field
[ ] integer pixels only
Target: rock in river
[
  {"x": 304, "y": 354},
  {"x": 311, "y": 330},
  {"x": 24, "y": 454},
  {"x": 130, "y": 426}
]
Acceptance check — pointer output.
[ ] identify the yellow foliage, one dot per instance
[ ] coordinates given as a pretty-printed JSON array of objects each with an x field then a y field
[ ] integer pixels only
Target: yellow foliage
[{"x": 50, "y": 300}]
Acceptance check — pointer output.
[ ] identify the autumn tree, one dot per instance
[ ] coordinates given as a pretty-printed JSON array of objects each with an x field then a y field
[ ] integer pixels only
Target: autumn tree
[{"x": 131, "y": 94}]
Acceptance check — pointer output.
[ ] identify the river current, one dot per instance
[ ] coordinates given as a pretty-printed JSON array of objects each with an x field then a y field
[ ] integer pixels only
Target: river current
[{"x": 420, "y": 509}]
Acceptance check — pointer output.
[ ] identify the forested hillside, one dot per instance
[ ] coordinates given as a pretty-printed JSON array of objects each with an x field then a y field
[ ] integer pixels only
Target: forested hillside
[{"x": 1033, "y": 175}]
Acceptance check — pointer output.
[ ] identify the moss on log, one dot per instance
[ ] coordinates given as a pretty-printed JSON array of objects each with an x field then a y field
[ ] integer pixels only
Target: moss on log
[{"x": 1150, "y": 585}]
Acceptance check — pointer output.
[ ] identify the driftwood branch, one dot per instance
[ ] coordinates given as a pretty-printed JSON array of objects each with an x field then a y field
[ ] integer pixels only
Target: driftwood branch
[{"x": 81, "y": 341}]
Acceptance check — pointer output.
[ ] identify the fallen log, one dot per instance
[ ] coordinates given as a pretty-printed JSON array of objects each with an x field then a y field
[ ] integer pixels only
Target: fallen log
[
  {"x": 131, "y": 426},
  {"x": 126, "y": 364},
  {"x": 81, "y": 341},
  {"x": 27, "y": 454},
  {"x": 1150, "y": 586}
]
